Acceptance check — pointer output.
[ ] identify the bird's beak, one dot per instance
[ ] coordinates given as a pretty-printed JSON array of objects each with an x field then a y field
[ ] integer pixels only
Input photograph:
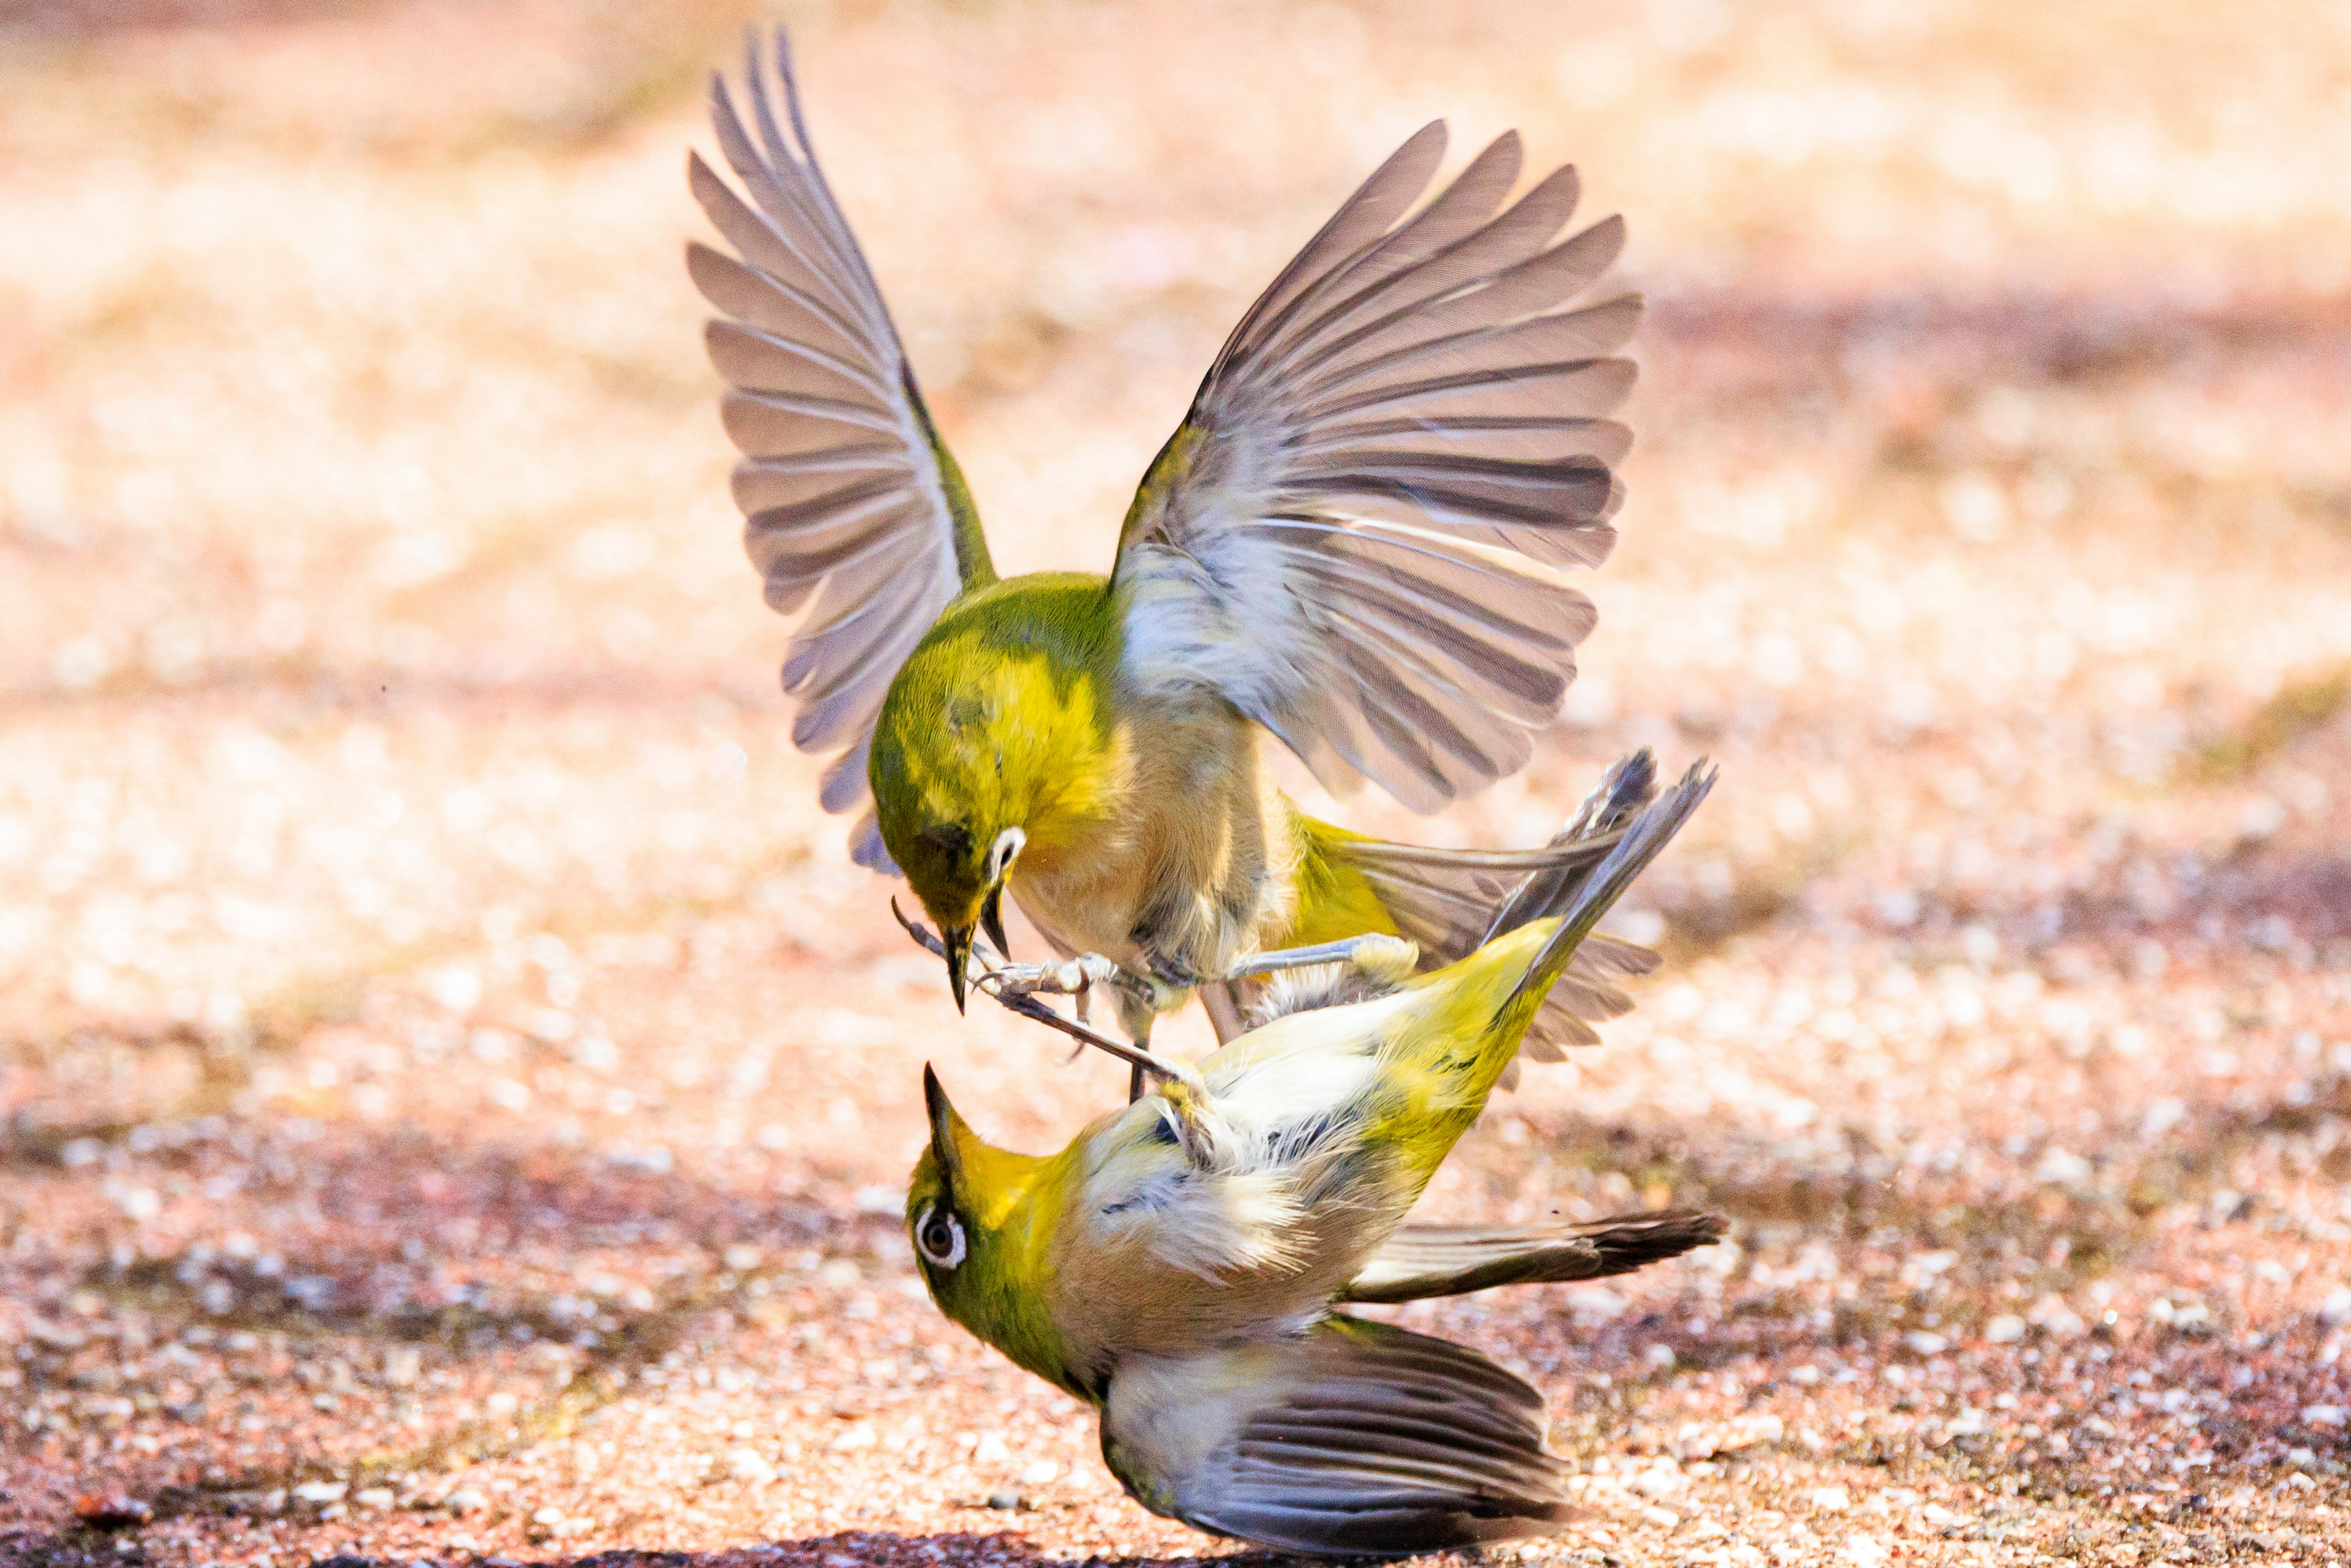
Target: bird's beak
[
  {"x": 944, "y": 1126},
  {"x": 956, "y": 940},
  {"x": 991, "y": 920}
]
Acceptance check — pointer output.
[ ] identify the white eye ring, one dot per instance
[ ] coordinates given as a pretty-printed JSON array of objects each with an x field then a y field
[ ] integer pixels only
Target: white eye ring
[
  {"x": 1008, "y": 843},
  {"x": 939, "y": 1256}
]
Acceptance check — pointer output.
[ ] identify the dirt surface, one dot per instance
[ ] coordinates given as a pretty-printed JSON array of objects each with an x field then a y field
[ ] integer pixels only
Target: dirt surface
[{"x": 458, "y": 1095}]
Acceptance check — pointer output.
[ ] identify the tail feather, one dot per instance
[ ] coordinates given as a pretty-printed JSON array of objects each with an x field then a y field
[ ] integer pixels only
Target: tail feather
[
  {"x": 1624, "y": 789},
  {"x": 1422, "y": 1261},
  {"x": 1581, "y": 906},
  {"x": 1451, "y": 901}
]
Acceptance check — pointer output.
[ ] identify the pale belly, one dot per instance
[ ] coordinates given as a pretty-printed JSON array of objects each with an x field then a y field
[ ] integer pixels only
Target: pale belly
[{"x": 1194, "y": 868}]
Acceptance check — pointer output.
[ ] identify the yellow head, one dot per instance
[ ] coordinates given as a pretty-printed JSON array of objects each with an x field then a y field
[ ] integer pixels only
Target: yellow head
[
  {"x": 989, "y": 744},
  {"x": 982, "y": 1221}
]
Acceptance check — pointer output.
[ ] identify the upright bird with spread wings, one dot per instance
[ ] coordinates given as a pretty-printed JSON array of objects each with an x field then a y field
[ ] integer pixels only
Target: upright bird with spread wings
[{"x": 1356, "y": 541}]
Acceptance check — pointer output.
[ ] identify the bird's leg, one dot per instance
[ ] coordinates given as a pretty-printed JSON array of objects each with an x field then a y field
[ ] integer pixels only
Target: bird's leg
[
  {"x": 1141, "y": 1060},
  {"x": 1373, "y": 957}
]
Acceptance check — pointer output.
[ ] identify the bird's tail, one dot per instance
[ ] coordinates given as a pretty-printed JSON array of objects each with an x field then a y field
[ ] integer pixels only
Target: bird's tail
[
  {"x": 1452, "y": 901},
  {"x": 1579, "y": 905},
  {"x": 1422, "y": 1261}
]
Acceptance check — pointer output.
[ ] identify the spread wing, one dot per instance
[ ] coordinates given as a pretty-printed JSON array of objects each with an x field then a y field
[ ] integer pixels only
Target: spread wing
[
  {"x": 854, "y": 510},
  {"x": 1358, "y": 1438},
  {"x": 1358, "y": 534}
]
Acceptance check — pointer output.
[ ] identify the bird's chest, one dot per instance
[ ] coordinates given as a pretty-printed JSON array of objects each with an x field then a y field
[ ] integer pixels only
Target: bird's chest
[{"x": 1190, "y": 866}]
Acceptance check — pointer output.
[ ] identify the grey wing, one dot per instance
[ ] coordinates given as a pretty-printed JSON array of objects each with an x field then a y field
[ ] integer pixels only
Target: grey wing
[
  {"x": 1422, "y": 1261},
  {"x": 1359, "y": 1438},
  {"x": 1358, "y": 533},
  {"x": 1452, "y": 901},
  {"x": 854, "y": 510}
]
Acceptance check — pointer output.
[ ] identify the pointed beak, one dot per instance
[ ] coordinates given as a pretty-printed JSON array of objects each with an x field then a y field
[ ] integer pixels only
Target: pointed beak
[
  {"x": 944, "y": 1121},
  {"x": 956, "y": 940},
  {"x": 991, "y": 920}
]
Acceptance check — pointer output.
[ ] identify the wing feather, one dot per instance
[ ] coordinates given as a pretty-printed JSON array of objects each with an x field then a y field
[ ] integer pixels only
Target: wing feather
[
  {"x": 853, "y": 512},
  {"x": 1355, "y": 1438},
  {"x": 1358, "y": 534}
]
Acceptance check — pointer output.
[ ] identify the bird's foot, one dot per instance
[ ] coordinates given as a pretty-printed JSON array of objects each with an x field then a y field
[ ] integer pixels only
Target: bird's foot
[
  {"x": 1075, "y": 978},
  {"x": 1374, "y": 957}
]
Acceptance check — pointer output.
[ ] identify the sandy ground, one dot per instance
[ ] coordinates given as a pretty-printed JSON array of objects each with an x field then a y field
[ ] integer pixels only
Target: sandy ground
[{"x": 458, "y": 1095}]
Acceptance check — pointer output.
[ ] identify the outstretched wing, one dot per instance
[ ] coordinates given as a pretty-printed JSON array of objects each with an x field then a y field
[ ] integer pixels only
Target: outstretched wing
[
  {"x": 849, "y": 497},
  {"x": 1358, "y": 1438},
  {"x": 1358, "y": 534}
]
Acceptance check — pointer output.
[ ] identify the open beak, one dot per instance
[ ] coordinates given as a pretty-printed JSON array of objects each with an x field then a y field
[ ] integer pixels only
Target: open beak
[
  {"x": 956, "y": 940},
  {"x": 991, "y": 920}
]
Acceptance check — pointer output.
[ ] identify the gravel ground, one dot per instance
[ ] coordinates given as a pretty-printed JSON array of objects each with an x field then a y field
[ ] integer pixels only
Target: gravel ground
[{"x": 457, "y": 1096}]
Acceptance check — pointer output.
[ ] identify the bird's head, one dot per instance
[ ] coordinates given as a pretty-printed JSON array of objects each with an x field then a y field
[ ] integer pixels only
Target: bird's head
[
  {"x": 958, "y": 872},
  {"x": 981, "y": 1219}
]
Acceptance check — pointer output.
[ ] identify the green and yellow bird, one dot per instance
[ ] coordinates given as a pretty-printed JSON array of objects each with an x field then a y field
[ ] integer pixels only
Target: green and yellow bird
[
  {"x": 1356, "y": 541},
  {"x": 1177, "y": 1264}
]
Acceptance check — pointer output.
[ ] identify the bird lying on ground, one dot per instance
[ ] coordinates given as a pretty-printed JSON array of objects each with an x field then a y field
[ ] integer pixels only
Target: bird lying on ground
[
  {"x": 1177, "y": 1264},
  {"x": 1356, "y": 540}
]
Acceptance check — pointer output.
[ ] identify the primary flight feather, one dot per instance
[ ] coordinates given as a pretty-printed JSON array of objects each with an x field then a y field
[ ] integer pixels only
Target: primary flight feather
[{"x": 1355, "y": 541}]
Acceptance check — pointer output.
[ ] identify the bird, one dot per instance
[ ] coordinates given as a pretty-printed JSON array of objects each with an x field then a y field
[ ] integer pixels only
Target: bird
[
  {"x": 1179, "y": 1265},
  {"x": 1356, "y": 545}
]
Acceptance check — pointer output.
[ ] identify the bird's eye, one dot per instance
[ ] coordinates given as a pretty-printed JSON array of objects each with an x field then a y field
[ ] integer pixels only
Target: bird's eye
[
  {"x": 1008, "y": 843},
  {"x": 939, "y": 1236}
]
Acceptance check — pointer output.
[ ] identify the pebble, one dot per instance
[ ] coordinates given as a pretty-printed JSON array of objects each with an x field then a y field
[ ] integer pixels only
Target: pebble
[{"x": 750, "y": 1464}]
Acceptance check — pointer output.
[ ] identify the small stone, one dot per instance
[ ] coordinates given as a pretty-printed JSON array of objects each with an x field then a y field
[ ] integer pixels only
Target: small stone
[
  {"x": 2322, "y": 1414},
  {"x": 1935, "y": 1513},
  {"x": 1830, "y": 1500},
  {"x": 465, "y": 1500},
  {"x": 857, "y": 1438},
  {"x": 1663, "y": 1518},
  {"x": 992, "y": 1450},
  {"x": 111, "y": 1510},
  {"x": 402, "y": 1365},
  {"x": 319, "y": 1491},
  {"x": 373, "y": 1497},
  {"x": 1039, "y": 1472},
  {"x": 750, "y": 1464},
  {"x": 2006, "y": 1329},
  {"x": 1921, "y": 1342},
  {"x": 1005, "y": 1499},
  {"x": 550, "y": 1517}
]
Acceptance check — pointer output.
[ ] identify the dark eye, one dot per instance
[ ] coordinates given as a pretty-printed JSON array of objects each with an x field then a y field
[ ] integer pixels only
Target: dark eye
[{"x": 939, "y": 1236}]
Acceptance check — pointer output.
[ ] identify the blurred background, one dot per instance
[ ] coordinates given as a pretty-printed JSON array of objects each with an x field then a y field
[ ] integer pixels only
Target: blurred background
[{"x": 447, "y": 1054}]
